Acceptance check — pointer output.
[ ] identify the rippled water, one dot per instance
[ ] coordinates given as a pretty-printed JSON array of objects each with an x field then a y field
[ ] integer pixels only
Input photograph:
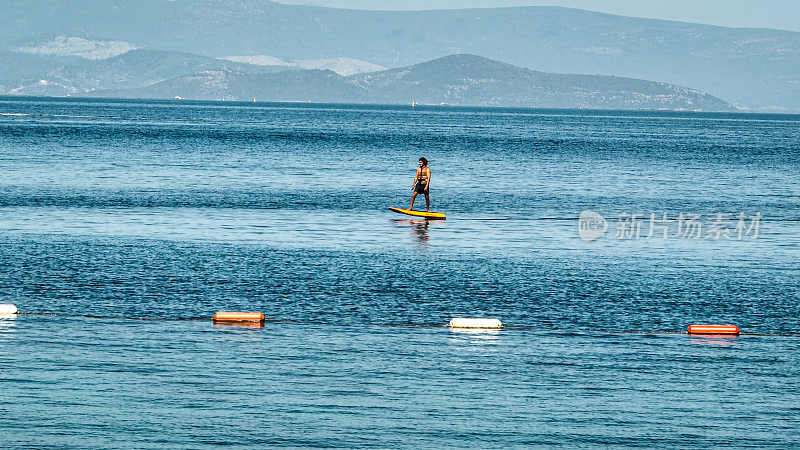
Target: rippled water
[{"x": 118, "y": 217}]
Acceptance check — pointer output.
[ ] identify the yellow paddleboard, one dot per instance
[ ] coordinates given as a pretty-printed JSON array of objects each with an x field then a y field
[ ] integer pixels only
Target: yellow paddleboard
[{"x": 427, "y": 215}]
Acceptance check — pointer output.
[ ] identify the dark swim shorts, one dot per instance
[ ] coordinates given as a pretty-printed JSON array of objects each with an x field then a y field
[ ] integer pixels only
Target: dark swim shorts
[{"x": 420, "y": 188}]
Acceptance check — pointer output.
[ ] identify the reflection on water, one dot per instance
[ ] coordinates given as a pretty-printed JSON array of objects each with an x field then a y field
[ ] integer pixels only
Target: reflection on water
[
  {"x": 255, "y": 325},
  {"x": 714, "y": 340},
  {"x": 474, "y": 335},
  {"x": 419, "y": 228},
  {"x": 7, "y": 323}
]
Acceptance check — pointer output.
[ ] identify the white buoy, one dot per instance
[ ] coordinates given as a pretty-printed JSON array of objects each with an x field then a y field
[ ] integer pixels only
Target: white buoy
[
  {"x": 8, "y": 309},
  {"x": 466, "y": 322}
]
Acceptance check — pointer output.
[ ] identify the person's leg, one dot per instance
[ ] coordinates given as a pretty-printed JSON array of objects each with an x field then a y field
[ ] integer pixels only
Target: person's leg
[
  {"x": 413, "y": 197},
  {"x": 427, "y": 201}
]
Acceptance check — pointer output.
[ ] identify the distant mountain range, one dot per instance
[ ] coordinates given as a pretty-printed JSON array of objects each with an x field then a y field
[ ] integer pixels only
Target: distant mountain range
[
  {"x": 322, "y": 86},
  {"x": 453, "y": 80},
  {"x": 37, "y": 74},
  {"x": 752, "y": 68},
  {"x": 472, "y": 80}
]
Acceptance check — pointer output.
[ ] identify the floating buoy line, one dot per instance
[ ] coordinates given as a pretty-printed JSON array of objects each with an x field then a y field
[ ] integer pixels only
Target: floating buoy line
[
  {"x": 468, "y": 322},
  {"x": 731, "y": 330},
  {"x": 238, "y": 317},
  {"x": 258, "y": 319}
]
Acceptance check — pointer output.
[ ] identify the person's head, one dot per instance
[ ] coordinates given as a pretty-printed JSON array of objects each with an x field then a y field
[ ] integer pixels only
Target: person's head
[{"x": 423, "y": 162}]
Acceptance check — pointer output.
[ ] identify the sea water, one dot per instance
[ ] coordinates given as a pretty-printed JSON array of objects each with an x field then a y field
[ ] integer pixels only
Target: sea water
[{"x": 125, "y": 225}]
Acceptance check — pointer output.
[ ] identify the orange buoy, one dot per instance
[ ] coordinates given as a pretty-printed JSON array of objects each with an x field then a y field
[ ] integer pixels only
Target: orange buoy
[
  {"x": 713, "y": 329},
  {"x": 227, "y": 316}
]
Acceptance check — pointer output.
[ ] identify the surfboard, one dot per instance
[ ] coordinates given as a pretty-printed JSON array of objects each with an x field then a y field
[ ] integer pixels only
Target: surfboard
[{"x": 427, "y": 215}]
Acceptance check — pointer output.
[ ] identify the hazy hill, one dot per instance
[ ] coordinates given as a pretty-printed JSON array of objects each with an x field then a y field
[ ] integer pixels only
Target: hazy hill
[
  {"x": 750, "y": 67},
  {"x": 472, "y": 80},
  {"x": 142, "y": 67},
  {"x": 15, "y": 67},
  {"x": 322, "y": 86},
  {"x": 27, "y": 74},
  {"x": 454, "y": 80}
]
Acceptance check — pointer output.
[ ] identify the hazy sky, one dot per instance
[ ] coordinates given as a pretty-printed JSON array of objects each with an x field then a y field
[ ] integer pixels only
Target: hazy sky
[{"x": 783, "y": 14}]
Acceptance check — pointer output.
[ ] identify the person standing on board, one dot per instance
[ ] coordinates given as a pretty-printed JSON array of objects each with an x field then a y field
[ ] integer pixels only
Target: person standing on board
[{"x": 422, "y": 181}]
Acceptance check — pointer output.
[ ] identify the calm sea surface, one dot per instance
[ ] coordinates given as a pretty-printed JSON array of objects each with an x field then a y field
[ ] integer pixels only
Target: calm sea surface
[{"x": 125, "y": 225}]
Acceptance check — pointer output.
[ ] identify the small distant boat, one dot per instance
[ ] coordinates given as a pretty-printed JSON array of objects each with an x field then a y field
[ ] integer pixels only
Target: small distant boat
[{"x": 413, "y": 104}]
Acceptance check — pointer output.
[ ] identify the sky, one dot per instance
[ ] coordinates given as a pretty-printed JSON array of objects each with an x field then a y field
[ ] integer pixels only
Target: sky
[{"x": 781, "y": 14}]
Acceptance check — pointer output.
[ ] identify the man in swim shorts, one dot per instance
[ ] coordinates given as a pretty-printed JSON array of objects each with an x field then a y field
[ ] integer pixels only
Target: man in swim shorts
[{"x": 422, "y": 181}]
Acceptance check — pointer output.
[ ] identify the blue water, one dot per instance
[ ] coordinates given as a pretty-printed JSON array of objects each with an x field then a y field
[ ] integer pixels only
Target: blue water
[{"x": 125, "y": 225}]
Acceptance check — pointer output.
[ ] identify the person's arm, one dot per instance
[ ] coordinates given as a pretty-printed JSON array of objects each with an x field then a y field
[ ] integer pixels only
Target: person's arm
[
  {"x": 429, "y": 180},
  {"x": 416, "y": 177}
]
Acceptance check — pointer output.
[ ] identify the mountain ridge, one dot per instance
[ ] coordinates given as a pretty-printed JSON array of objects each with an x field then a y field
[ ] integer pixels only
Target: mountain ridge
[
  {"x": 463, "y": 79},
  {"x": 35, "y": 74},
  {"x": 752, "y": 67}
]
